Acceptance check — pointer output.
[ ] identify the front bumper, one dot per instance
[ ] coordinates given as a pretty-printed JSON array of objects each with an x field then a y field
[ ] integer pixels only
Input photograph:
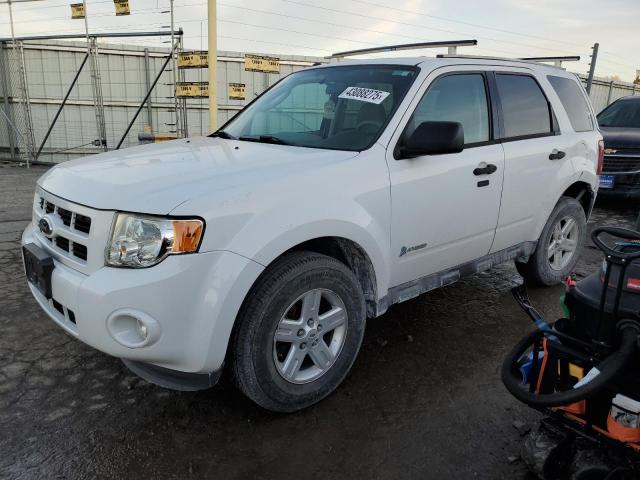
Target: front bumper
[
  {"x": 190, "y": 300},
  {"x": 621, "y": 190}
]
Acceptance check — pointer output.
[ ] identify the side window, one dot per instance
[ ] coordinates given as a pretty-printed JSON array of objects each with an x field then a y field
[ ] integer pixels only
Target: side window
[
  {"x": 574, "y": 103},
  {"x": 525, "y": 109},
  {"x": 456, "y": 98}
]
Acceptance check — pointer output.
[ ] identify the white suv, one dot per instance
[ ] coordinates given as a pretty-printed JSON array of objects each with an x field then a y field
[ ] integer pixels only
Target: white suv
[{"x": 340, "y": 191}]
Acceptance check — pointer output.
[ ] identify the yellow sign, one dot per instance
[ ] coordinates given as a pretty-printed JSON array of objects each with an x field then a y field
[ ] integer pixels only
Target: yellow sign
[
  {"x": 257, "y": 63},
  {"x": 122, "y": 7},
  {"x": 193, "y": 59},
  {"x": 77, "y": 10},
  {"x": 192, "y": 89},
  {"x": 236, "y": 91},
  {"x": 164, "y": 137}
]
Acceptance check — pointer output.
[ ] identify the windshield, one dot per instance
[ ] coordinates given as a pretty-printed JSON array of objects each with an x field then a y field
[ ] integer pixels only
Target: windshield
[
  {"x": 621, "y": 114},
  {"x": 340, "y": 108}
]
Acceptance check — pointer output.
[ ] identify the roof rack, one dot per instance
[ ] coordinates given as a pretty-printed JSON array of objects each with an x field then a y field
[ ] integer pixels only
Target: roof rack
[
  {"x": 451, "y": 45},
  {"x": 556, "y": 60}
]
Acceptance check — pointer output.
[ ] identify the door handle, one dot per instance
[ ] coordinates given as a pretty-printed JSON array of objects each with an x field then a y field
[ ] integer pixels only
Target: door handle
[
  {"x": 488, "y": 169},
  {"x": 556, "y": 154}
]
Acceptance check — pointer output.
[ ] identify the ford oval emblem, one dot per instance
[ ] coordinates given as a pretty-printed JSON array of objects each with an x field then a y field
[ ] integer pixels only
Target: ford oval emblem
[{"x": 45, "y": 226}]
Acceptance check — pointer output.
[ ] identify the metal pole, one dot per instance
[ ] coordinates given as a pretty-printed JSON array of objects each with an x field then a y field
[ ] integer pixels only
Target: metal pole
[
  {"x": 64, "y": 101},
  {"x": 86, "y": 24},
  {"x": 126, "y": 132},
  {"x": 592, "y": 68},
  {"x": 183, "y": 101},
  {"x": 610, "y": 93},
  {"x": 213, "y": 64},
  {"x": 31, "y": 145},
  {"x": 13, "y": 34},
  {"x": 93, "y": 79},
  {"x": 174, "y": 76},
  {"x": 147, "y": 81},
  {"x": 5, "y": 96},
  {"x": 99, "y": 97}
]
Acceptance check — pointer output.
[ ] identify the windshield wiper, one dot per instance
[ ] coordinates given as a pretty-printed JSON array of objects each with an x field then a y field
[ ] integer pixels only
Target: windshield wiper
[
  {"x": 223, "y": 134},
  {"x": 265, "y": 139}
]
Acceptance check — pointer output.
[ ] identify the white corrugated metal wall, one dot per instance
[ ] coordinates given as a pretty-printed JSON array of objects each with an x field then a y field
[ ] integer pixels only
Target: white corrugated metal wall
[
  {"x": 604, "y": 92},
  {"x": 51, "y": 67}
]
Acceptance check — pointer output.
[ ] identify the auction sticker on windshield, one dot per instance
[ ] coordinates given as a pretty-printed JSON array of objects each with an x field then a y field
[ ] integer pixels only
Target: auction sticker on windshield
[{"x": 364, "y": 94}]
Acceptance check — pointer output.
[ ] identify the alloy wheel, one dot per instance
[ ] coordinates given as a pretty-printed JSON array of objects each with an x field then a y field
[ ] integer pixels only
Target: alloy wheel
[
  {"x": 563, "y": 243},
  {"x": 310, "y": 336}
]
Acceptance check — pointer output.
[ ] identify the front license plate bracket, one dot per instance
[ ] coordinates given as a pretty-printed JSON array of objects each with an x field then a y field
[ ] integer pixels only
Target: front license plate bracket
[{"x": 38, "y": 266}]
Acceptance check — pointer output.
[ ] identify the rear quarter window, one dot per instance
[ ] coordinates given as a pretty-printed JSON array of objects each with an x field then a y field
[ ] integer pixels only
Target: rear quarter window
[{"x": 574, "y": 103}]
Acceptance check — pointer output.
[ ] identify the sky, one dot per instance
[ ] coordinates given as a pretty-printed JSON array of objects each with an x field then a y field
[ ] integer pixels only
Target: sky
[{"x": 506, "y": 28}]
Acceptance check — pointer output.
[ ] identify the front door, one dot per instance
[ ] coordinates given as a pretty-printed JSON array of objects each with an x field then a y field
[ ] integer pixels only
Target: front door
[{"x": 444, "y": 207}]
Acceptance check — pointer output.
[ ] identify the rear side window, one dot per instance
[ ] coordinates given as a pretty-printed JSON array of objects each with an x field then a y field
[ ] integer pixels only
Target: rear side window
[
  {"x": 456, "y": 98},
  {"x": 573, "y": 102},
  {"x": 525, "y": 109}
]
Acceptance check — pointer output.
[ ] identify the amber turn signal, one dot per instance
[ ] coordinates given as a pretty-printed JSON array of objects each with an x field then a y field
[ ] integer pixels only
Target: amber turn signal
[{"x": 186, "y": 235}]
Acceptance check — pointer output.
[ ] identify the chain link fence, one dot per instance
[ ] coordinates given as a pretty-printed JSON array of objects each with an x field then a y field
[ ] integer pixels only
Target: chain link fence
[{"x": 18, "y": 135}]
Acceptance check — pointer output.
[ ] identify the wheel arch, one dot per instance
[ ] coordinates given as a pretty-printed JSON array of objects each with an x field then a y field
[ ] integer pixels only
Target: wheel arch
[
  {"x": 583, "y": 193},
  {"x": 349, "y": 252},
  {"x": 353, "y": 256}
]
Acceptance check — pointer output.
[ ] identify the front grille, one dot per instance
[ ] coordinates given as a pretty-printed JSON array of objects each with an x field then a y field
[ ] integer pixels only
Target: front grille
[
  {"x": 83, "y": 223},
  {"x": 75, "y": 224},
  {"x": 619, "y": 164},
  {"x": 62, "y": 243},
  {"x": 66, "y": 216}
]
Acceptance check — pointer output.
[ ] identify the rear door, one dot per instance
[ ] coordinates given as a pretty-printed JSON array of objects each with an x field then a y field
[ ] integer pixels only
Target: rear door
[
  {"x": 444, "y": 214},
  {"x": 536, "y": 157}
]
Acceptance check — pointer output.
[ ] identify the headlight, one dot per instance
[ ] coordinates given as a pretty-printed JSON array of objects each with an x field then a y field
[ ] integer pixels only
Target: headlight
[{"x": 140, "y": 241}]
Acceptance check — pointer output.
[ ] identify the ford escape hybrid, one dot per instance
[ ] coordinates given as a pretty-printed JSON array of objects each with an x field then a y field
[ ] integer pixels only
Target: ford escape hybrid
[{"x": 342, "y": 190}]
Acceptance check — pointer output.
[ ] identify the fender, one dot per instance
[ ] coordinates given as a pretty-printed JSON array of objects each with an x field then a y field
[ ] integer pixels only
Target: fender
[
  {"x": 583, "y": 176},
  {"x": 319, "y": 198},
  {"x": 368, "y": 239}
]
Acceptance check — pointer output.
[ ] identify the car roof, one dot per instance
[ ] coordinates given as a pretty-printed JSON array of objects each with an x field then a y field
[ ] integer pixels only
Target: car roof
[
  {"x": 430, "y": 63},
  {"x": 628, "y": 98}
]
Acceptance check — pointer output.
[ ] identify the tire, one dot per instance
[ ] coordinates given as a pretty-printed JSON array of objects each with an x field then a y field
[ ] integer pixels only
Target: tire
[
  {"x": 265, "y": 369},
  {"x": 544, "y": 269}
]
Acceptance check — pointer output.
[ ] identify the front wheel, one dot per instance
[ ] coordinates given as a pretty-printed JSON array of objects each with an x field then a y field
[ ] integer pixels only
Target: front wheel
[
  {"x": 299, "y": 332},
  {"x": 559, "y": 245}
]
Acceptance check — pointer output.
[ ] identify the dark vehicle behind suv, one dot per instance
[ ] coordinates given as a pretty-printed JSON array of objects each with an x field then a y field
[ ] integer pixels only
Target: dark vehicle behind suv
[{"x": 620, "y": 126}]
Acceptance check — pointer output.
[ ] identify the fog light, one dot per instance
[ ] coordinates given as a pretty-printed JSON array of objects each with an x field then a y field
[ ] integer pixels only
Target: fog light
[{"x": 133, "y": 328}]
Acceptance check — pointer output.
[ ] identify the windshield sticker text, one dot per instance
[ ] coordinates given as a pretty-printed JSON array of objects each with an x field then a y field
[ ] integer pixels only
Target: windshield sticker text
[{"x": 364, "y": 94}]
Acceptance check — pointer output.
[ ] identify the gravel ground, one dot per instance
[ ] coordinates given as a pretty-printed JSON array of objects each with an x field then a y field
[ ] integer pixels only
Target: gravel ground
[{"x": 424, "y": 399}]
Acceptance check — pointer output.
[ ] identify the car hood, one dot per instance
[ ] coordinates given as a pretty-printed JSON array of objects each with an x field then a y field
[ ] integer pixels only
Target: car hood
[
  {"x": 156, "y": 178},
  {"x": 621, "y": 137}
]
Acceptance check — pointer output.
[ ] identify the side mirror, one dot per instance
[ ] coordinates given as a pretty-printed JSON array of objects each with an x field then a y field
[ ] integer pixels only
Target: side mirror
[{"x": 433, "y": 138}]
